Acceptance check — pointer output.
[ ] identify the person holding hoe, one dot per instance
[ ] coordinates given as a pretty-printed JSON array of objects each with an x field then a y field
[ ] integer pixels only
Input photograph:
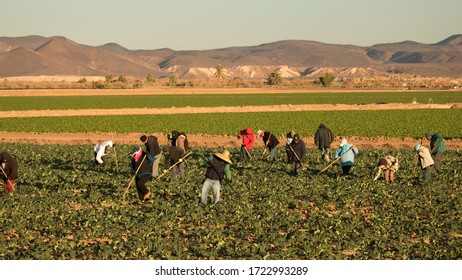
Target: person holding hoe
[
  {"x": 346, "y": 152},
  {"x": 9, "y": 174},
  {"x": 179, "y": 139},
  {"x": 248, "y": 139},
  {"x": 437, "y": 149},
  {"x": 323, "y": 138},
  {"x": 388, "y": 165},
  {"x": 174, "y": 160},
  {"x": 217, "y": 170},
  {"x": 271, "y": 142},
  {"x": 153, "y": 152},
  {"x": 298, "y": 149},
  {"x": 140, "y": 166},
  {"x": 289, "y": 139},
  {"x": 101, "y": 150}
]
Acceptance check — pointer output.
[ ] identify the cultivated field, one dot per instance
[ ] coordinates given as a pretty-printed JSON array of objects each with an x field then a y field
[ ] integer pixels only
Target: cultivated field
[{"x": 64, "y": 207}]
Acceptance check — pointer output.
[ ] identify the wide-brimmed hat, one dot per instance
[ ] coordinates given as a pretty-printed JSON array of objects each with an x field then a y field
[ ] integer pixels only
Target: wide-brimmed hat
[
  {"x": 224, "y": 156},
  {"x": 343, "y": 142}
]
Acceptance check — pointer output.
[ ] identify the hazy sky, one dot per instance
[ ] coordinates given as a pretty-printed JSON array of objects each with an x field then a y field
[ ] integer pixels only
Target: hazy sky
[{"x": 210, "y": 24}]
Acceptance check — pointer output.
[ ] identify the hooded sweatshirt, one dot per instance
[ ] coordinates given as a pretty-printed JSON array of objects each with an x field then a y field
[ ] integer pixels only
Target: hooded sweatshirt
[{"x": 248, "y": 138}]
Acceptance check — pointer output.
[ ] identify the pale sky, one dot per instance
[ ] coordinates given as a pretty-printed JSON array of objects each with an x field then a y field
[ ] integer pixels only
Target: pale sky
[{"x": 212, "y": 24}]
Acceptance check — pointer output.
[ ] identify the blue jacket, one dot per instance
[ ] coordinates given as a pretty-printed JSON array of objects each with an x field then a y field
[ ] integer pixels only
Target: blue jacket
[{"x": 349, "y": 158}]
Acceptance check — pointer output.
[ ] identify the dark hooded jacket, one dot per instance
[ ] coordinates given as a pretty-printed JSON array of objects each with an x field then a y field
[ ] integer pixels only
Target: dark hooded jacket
[
  {"x": 273, "y": 140},
  {"x": 323, "y": 137},
  {"x": 152, "y": 146},
  {"x": 10, "y": 167}
]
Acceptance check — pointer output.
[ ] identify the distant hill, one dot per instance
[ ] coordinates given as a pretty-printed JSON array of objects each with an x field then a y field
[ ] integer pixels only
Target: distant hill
[{"x": 37, "y": 55}]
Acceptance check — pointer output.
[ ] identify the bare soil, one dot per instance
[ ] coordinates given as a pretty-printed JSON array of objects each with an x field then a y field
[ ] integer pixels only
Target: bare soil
[{"x": 202, "y": 140}]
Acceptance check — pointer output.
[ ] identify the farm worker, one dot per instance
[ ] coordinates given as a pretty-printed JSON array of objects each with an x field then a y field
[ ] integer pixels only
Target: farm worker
[
  {"x": 9, "y": 174},
  {"x": 323, "y": 138},
  {"x": 180, "y": 139},
  {"x": 298, "y": 149},
  {"x": 425, "y": 160},
  {"x": 347, "y": 155},
  {"x": 217, "y": 169},
  {"x": 101, "y": 150},
  {"x": 289, "y": 139},
  {"x": 141, "y": 163},
  {"x": 152, "y": 151},
  {"x": 271, "y": 142},
  {"x": 248, "y": 139},
  {"x": 388, "y": 165},
  {"x": 437, "y": 149},
  {"x": 173, "y": 155}
]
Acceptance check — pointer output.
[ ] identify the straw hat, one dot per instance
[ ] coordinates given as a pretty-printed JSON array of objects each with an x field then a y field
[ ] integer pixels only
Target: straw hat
[{"x": 224, "y": 156}]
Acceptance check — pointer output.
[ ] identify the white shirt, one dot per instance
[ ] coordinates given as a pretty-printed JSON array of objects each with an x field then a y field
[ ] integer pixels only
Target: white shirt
[{"x": 100, "y": 149}]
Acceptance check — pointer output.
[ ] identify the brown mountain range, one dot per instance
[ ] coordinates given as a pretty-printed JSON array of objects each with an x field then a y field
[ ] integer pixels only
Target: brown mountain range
[{"x": 37, "y": 55}]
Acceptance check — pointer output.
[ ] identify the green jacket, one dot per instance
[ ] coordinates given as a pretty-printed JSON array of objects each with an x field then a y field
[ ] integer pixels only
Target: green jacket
[{"x": 437, "y": 140}]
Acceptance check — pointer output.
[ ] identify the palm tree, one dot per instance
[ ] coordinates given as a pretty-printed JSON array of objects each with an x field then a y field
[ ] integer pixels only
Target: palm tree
[
  {"x": 219, "y": 72},
  {"x": 274, "y": 79}
]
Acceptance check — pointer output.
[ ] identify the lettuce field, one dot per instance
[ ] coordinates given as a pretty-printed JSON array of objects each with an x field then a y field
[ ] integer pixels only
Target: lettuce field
[{"x": 64, "y": 207}]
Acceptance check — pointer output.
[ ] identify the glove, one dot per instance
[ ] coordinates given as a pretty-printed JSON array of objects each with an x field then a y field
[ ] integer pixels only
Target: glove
[{"x": 180, "y": 160}]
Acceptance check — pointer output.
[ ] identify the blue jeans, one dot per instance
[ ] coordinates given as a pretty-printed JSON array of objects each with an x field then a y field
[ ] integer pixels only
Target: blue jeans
[
  {"x": 208, "y": 184},
  {"x": 273, "y": 152}
]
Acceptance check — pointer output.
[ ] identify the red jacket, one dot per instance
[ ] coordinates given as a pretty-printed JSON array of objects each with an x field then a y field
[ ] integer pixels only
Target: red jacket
[{"x": 248, "y": 138}]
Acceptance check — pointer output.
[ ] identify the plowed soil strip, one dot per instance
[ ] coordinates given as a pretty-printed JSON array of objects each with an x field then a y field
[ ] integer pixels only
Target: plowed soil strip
[{"x": 222, "y": 109}]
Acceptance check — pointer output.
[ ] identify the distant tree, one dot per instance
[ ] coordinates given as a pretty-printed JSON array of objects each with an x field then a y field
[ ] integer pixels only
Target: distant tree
[
  {"x": 327, "y": 79},
  {"x": 150, "y": 79},
  {"x": 219, "y": 72},
  {"x": 109, "y": 78},
  {"x": 97, "y": 85},
  {"x": 172, "y": 81},
  {"x": 274, "y": 79},
  {"x": 122, "y": 79}
]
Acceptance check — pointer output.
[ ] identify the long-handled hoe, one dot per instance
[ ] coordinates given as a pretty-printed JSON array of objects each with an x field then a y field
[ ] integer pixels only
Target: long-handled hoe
[
  {"x": 337, "y": 159},
  {"x": 8, "y": 180},
  {"x": 117, "y": 163},
  {"x": 166, "y": 171},
  {"x": 133, "y": 178}
]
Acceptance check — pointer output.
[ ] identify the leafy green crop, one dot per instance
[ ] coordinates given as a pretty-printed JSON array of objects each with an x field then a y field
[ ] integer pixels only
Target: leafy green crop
[
  {"x": 216, "y": 100},
  {"x": 390, "y": 123},
  {"x": 66, "y": 208}
]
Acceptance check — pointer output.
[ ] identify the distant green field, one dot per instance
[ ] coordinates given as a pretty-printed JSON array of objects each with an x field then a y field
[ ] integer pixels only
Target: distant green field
[
  {"x": 389, "y": 123},
  {"x": 214, "y": 100}
]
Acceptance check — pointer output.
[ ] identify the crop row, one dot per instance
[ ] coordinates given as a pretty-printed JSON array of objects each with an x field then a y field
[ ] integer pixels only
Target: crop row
[
  {"x": 216, "y": 100},
  {"x": 390, "y": 123},
  {"x": 66, "y": 208}
]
